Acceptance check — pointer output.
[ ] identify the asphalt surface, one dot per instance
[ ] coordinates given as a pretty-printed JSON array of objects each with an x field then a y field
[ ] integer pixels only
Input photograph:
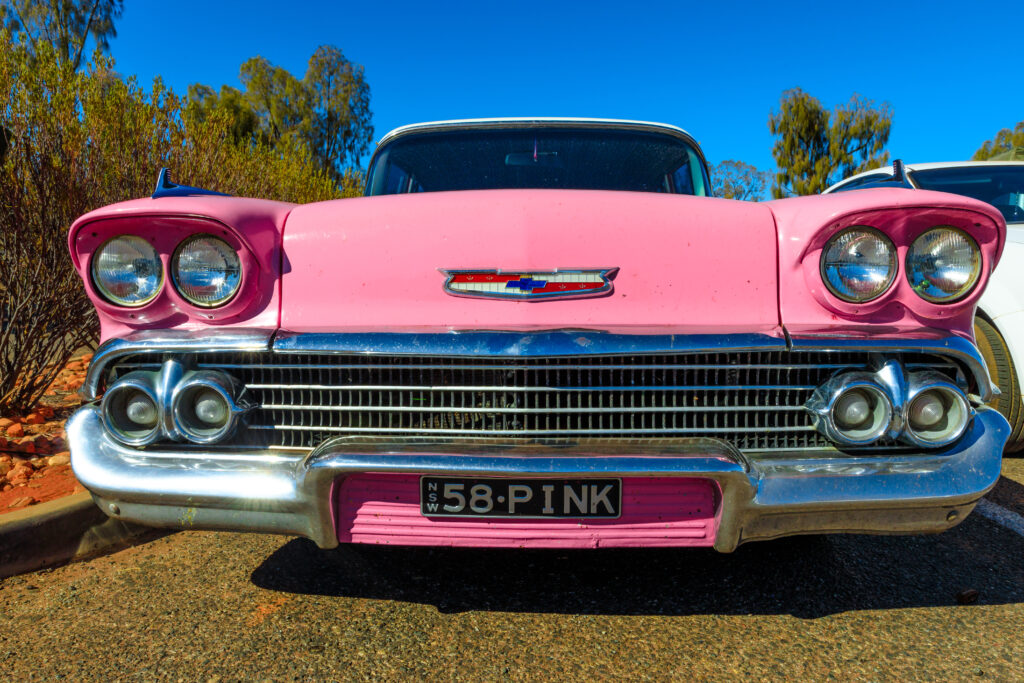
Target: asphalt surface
[{"x": 204, "y": 606}]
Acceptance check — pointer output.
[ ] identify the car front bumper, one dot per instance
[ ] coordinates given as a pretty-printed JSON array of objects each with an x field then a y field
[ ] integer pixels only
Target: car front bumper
[{"x": 757, "y": 498}]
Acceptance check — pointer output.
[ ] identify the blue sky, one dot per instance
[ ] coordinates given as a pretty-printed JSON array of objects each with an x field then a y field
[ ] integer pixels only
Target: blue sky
[{"x": 951, "y": 71}]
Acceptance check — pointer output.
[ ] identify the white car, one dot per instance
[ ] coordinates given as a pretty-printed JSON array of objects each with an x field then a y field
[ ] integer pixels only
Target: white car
[{"x": 999, "y": 322}]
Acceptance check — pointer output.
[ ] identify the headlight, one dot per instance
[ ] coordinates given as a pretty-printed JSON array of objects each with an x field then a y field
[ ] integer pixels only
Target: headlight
[
  {"x": 127, "y": 271},
  {"x": 858, "y": 264},
  {"x": 206, "y": 271},
  {"x": 943, "y": 265}
]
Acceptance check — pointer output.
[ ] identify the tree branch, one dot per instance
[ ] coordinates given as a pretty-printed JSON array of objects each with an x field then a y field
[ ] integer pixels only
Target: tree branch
[{"x": 85, "y": 35}]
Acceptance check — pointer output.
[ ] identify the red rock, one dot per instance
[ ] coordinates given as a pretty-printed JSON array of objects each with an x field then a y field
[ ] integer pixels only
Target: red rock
[
  {"x": 5, "y": 422},
  {"x": 86, "y": 357},
  {"x": 6, "y": 487},
  {"x": 6, "y": 458},
  {"x": 18, "y": 476},
  {"x": 34, "y": 419},
  {"x": 43, "y": 445},
  {"x": 3, "y": 442},
  {"x": 58, "y": 443},
  {"x": 63, "y": 458},
  {"x": 22, "y": 502},
  {"x": 15, "y": 431},
  {"x": 26, "y": 445},
  {"x": 46, "y": 412}
]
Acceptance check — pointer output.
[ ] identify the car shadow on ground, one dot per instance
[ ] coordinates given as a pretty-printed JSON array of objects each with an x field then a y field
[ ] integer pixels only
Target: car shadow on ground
[{"x": 806, "y": 577}]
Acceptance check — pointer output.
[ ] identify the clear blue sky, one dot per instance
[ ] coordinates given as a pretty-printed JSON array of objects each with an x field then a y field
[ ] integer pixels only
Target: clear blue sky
[{"x": 950, "y": 70}]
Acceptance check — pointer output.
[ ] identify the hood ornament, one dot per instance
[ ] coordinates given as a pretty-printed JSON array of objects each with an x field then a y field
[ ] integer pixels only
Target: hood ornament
[{"x": 529, "y": 285}]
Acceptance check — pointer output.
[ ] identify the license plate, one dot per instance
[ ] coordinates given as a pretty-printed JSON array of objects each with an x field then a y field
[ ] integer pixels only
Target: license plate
[{"x": 520, "y": 498}]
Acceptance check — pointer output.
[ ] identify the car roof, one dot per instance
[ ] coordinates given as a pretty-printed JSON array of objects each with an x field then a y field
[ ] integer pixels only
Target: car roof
[
  {"x": 887, "y": 170},
  {"x": 535, "y": 121}
]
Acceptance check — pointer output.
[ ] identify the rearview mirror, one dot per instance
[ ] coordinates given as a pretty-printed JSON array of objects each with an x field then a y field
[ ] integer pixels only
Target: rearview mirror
[{"x": 543, "y": 159}]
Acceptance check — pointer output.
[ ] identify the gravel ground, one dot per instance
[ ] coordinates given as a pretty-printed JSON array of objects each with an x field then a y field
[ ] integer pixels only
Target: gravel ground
[{"x": 221, "y": 606}]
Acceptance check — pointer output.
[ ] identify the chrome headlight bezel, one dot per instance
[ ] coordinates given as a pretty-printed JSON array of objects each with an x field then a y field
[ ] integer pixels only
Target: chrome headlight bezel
[
  {"x": 973, "y": 279},
  {"x": 142, "y": 245},
  {"x": 892, "y": 257},
  {"x": 185, "y": 422},
  {"x": 112, "y": 409},
  {"x": 226, "y": 249}
]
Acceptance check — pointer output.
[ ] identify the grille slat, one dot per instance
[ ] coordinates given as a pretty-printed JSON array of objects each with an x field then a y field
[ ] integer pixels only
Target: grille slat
[{"x": 753, "y": 399}]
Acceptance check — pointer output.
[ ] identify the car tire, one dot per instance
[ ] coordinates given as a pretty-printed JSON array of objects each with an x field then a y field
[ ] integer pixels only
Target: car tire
[{"x": 1004, "y": 374}]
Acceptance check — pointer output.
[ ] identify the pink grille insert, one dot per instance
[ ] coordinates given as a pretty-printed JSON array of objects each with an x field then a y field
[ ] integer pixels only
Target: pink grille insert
[{"x": 656, "y": 512}]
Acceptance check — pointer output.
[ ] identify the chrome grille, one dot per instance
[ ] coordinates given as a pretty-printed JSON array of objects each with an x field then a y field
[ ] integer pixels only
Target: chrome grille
[{"x": 752, "y": 399}]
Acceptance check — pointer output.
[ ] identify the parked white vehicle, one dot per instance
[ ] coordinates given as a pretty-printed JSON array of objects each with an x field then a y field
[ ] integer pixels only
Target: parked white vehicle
[{"x": 999, "y": 323}]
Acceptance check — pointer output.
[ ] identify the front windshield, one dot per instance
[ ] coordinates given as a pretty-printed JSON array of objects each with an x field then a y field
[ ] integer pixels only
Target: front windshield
[
  {"x": 1000, "y": 186},
  {"x": 538, "y": 158}
]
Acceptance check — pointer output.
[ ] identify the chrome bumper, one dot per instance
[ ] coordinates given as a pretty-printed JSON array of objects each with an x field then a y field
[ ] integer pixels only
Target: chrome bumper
[{"x": 762, "y": 498}]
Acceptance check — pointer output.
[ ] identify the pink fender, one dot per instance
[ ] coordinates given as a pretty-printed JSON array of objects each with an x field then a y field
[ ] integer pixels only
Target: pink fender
[
  {"x": 252, "y": 226},
  {"x": 806, "y": 223}
]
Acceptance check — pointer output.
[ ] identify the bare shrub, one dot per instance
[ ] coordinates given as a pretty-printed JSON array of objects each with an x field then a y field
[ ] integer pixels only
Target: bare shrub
[{"x": 76, "y": 141}]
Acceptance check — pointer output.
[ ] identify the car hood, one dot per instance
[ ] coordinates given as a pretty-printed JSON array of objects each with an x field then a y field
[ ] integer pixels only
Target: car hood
[{"x": 685, "y": 264}]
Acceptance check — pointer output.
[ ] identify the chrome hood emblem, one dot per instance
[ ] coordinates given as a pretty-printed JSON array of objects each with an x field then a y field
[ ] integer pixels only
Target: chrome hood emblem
[{"x": 529, "y": 285}]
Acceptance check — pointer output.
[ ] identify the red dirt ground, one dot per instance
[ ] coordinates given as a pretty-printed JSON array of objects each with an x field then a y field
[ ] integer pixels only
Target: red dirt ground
[{"x": 28, "y": 444}]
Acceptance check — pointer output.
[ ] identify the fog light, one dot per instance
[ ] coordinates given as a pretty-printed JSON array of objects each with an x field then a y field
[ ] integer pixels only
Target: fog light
[
  {"x": 211, "y": 408},
  {"x": 926, "y": 410},
  {"x": 937, "y": 413},
  {"x": 130, "y": 411},
  {"x": 852, "y": 410},
  {"x": 204, "y": 407},
  {"x": 861, "y": 413},
  {"x": 141, "y": 410}
]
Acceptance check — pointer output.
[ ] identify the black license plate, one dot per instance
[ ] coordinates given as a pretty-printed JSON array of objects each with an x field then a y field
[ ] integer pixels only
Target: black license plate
[{"x": 520, "y": 498}]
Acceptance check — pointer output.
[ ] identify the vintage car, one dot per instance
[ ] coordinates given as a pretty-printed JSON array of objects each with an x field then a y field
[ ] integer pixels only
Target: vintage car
[
  {"x": 539, "y": 333},
  {"x": 999, "y": 321}
]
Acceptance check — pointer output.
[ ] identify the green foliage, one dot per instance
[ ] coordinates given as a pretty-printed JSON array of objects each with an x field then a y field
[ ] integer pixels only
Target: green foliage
[
  {"x": 338, "y": 129},
  {"x": 65, "y": 25},
  {"x": 79, "y": 140},
  {"x": 738, "y": 180},
  {"x": 327, "y": 111},
  {"x": 203, "y": 102},
  {"x": 1007, "y": 145},
  {"x": 278, "y": 99},
  {"x": 816, "y": 148}
]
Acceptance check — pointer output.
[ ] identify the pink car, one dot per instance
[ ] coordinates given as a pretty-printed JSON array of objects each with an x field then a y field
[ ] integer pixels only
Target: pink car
[{"x": 539, "y": 333}]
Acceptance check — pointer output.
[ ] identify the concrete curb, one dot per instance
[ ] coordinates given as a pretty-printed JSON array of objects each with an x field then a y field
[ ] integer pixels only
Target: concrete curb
[{"x": 59, "y": 531}]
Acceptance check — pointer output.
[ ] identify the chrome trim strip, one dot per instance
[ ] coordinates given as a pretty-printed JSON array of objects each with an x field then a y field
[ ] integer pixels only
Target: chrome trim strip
[
  {"x": 560, "y": 411},
  {"x": 951, "y": 345},
  {"x": 537, "y": 122},
  {"x": 528, "y": 432},
  {"x": 160, "y": 342},
  {"x": 761, "y": 498},
  {"x": 525, "y": 368},
  {"x": 565, "y": 342},
  {"x": 476, "y": 344},
  {"x": 509, "y": 389}
]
